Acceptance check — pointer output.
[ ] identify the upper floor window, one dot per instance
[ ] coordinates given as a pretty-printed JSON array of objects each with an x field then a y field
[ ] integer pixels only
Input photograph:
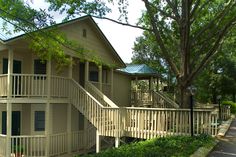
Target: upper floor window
[
  {"x": 93, "y": 76},
  {"x": 84, "y": 33},
  {"x": 39, "y": 67}
]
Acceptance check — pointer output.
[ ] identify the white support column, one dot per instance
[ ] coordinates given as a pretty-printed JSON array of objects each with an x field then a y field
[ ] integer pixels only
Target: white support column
[
  {"x": 97, "y": 142},
  {"x": 70, "y": 71},
  {"x": 112, "y": 77},
  {"x": 136, "y": 83},
  {"x": 9, "y": 105},
  {"x": 86, "y": 72},
  {"x": 100, "y": 77},
  {"x": 69, "y": 108},
  {"x": 48, "y": 109},
  {"x": 117, "y": 142},
  {"x": 151, "y": 83}
]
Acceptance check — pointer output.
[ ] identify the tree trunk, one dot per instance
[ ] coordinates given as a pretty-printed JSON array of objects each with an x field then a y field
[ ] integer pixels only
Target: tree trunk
[
  {"x": 234, "y": 97},
  {"x": 184, "y": 97}
]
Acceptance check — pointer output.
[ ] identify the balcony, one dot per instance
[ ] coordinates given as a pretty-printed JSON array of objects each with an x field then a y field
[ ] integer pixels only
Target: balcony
[{"x": 34, "y": 86}]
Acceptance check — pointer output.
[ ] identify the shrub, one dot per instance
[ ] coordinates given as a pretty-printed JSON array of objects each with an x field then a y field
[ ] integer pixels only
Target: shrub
[
  {"x": 231, "y": 104},
  {"x": 159, "y": 147}
]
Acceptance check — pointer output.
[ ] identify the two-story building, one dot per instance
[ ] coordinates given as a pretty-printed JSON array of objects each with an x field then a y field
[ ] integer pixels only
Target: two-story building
[{"x": 44, "y": 112}]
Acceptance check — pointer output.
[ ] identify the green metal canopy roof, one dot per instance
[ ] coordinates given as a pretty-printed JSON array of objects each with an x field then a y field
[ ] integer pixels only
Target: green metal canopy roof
[{"x": 138, "y": 69}]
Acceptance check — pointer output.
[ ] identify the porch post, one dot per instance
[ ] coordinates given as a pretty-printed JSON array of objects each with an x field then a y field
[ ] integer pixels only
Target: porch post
[
  {"x": 117, "y": 142},
  {"x": 9, "y": 105},
  {"x": 48, "y": 109},
  {"x": 112, "y": 77},
  {"x": 100, "y": 77},
  {"x": 69, "y": 107},
  {"x": 157, "y": 84},
  {"x": 86, "y": 71},
  {"x": 97, "y": 141},
  {"x": 136, "y": 92},
  {"x": 151, "y": 83}
]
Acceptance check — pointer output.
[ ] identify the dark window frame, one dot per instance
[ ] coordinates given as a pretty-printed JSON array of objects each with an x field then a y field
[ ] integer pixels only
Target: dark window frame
[
  {"x": 93, "y": 76},
  {"x": 40, "y": 67},
  {"x": 39, "y": 121}
]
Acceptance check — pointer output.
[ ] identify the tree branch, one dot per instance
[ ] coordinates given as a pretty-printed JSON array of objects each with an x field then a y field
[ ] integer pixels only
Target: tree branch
[
  {"x": 121, "y": 23},
  {"x": 174, "y": 7},
  {"x": 194, "y": 8},
  {"x": 159, "y": 40},
  {"x": 210, "y": 53},
  {"x": 212, "y": 22}
]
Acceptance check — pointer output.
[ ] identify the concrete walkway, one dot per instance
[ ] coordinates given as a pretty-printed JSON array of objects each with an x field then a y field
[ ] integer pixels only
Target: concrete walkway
[{"x": 227, "y": 144}]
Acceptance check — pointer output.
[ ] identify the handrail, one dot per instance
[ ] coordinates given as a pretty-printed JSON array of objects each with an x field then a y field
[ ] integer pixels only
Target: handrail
[
  {"x": 83, "y": 90},
  {"x": 167, "y": 99},
  {"x": 106, "y": 120},
  {"x": 167, "y": 109},
  {"x": 100, "y": 96}
]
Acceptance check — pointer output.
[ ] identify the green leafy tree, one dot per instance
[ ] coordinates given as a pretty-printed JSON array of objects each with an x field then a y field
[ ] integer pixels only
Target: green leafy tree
[
  {"x": 220, "y": 77},
  {"x": 188, "y": 33}
]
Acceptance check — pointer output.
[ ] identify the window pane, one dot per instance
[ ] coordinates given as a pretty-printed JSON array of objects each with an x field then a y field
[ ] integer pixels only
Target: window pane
[
  {"x": 39, "y": 67},
  {"x": 39, "y": 124},
  {"x": 93, "y": 76}
]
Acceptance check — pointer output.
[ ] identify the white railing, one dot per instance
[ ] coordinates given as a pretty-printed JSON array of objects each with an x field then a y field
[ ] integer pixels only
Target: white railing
[
  {"x": 29, "y": 85},
  {"x": 34, "y": 85},
  {"x": 3, "y": 85},
  {"x": 90, "y": 136},
  {"x": 77, "y": 141},
  {"x": 58, "y": 144},
  {"x": 83, "y": 140},
  {"x": 160, "y": 99},
  {"x": 98, "y": 95},
  {"x": 150, "y": 98},
  {"x": 28, "y": 145},
  {"x": 106, "y": 89},
  {"x": 152, "y": 122},
  {"x": 225, "y": 112},
  {"x": 2, "y": 145},
  {"x": 141, "y": 98},
  {"x": 59, "y": 87},
  {"x": 94, "y": 111}
]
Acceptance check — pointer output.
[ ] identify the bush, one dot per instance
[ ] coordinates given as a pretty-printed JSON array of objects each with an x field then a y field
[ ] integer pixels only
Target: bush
[
  {"x": 159, "y": 147},
  {"x": 231, "y": 104}
]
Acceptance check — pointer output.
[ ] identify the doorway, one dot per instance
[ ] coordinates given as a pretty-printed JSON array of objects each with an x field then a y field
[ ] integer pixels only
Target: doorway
[
  {"x": 16, "y": 86},
  {"x": 16, "y": 122},
  {"x": 82, "y": 74}
]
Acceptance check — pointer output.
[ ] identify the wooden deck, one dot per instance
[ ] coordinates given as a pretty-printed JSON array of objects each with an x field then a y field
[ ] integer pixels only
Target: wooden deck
[{"x": 107, "y": 118}]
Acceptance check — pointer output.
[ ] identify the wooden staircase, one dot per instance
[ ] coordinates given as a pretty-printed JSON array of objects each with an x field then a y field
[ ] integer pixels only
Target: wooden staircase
[{"x": 145, "y": 123}]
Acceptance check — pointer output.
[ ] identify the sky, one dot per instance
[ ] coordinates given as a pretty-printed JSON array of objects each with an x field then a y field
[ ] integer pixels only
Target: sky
[{"x": 122, "y": 38}]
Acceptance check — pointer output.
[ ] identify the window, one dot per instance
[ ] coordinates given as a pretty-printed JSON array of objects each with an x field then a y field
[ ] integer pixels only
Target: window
[
  {"x": 39, "y": 67},
  {"x": 84, "y": 33},
  {"x": 39, "y": 121},
  {"x": 93, "y": 76}
]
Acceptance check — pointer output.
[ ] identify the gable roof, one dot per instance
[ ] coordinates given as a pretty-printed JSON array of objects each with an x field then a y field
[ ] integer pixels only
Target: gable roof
[
  {"x": 139, "y": 69},
  {"x": 87, "y": 17}
]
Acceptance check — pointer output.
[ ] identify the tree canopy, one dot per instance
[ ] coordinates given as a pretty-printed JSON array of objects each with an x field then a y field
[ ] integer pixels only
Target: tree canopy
[{"x": 187, "y": 34}]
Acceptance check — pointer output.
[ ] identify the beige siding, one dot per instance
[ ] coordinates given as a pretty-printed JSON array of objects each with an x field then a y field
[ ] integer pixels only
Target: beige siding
[
  {"x": 26, "y": 117},
  {"x": 93, "y": 42},
  {"x": 121, "y": 87},
  {"x": 19, "y": 55},
  {"x": 59, "y": 118}
]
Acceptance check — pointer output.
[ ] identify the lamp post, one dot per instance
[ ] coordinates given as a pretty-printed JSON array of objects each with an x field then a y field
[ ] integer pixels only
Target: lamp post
[
  {"x": 192, "y": 91},
  {"x": 218, "y": 99}
]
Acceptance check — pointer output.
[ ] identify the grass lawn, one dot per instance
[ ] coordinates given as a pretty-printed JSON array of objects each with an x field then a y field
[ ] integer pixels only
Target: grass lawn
[{"x": 181, "y": 146}]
